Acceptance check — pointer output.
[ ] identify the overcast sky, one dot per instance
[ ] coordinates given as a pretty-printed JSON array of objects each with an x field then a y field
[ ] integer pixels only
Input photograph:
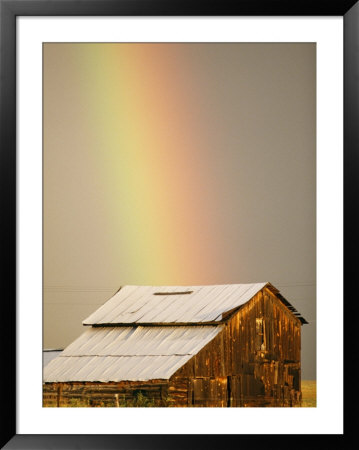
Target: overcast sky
[{"x": 178, "y": 164}]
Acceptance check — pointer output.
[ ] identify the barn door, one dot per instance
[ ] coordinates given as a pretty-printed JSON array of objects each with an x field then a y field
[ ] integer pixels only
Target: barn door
[
  {"x": 207, "y": 392},
  {"x": 234, "y": 391},
  {"x": 229, "y": 392}
]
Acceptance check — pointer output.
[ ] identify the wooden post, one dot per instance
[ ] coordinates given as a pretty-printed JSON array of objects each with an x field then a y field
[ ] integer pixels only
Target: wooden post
[{"x": 59, "y": 389}]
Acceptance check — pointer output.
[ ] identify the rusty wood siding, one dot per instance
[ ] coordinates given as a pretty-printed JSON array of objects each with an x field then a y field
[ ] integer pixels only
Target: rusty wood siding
[
  {"x": 179, "y": 392},
  {"x": 258, "y": 353},
  {"x": 198, "y": 392},
  {"x": 104, "y": 394}
]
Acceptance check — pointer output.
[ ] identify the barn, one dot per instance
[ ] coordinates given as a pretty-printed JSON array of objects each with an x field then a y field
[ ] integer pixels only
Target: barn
[{"x": 183, "y": 346}]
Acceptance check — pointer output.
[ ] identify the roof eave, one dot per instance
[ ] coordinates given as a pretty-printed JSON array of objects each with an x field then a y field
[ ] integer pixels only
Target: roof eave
[
  {"x": 157, "y": 324},
  {"x": 285, "y": 302}
]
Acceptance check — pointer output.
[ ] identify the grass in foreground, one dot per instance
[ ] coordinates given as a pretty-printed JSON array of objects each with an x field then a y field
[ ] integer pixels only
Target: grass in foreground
[{"x": 309, "y": 394}]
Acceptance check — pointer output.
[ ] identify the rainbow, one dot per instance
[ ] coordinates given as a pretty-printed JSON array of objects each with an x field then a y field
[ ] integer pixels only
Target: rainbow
[{"x": 150, "y": 148}]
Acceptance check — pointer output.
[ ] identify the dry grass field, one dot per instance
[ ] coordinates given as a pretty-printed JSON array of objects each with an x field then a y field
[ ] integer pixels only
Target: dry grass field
[{"x": 309, "y": 394}]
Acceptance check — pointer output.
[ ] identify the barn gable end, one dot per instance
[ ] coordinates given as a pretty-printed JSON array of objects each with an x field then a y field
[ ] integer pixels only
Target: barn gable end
[{"x": 254, "y": 361}]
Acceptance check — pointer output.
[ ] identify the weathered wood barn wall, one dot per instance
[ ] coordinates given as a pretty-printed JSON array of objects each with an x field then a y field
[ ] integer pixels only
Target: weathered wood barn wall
[{"x": 252, "y": 360}]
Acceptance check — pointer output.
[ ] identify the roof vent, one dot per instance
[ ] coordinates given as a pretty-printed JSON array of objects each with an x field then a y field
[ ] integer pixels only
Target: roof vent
[{"x": 173, "y": 293}]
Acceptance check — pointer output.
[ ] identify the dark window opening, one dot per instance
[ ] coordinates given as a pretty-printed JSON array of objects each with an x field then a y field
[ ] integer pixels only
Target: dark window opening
[{"x": 260, "y": 335}]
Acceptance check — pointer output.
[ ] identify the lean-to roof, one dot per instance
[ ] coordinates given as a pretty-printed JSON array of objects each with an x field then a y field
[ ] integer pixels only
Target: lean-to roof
[{"x": 106, "y": 354}]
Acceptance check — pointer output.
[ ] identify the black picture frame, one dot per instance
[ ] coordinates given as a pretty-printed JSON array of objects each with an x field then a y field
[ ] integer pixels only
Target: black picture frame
[{"x": 9, "y": 10}]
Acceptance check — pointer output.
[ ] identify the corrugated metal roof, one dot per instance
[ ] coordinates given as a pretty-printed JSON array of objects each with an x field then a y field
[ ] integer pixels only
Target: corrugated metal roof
[
  {"x": 172, "y": 304},
  {"x": 128, "y": 353}
]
